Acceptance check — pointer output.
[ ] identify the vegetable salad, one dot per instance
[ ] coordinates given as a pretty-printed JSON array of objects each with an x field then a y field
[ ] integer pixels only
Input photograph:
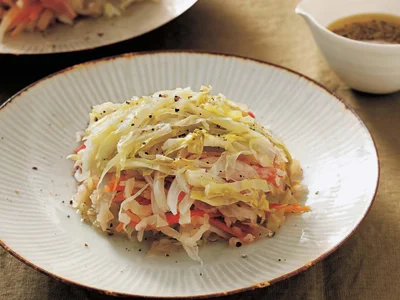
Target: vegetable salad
[{"x": 185, "y": 167}]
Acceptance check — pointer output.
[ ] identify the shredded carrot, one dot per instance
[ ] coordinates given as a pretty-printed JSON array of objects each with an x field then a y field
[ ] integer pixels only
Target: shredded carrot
[
  {"x": 296, "y": 207},
  {"x": 79, "y": 148},
  {"x": 23, "y": 15},
  {"x": 267, "y": 173},
  {"x": 119, "y": 197},
  {"x": 35, "y": 12},
  {"x": 120, "y": 227},
  {"x": 134, "y": 217},
  {"x": 113, "y": 185},
  {"x": 181, "y": 196},
  {"x": 172, "y": 219},
  {"x": 133, "y": 223},
  {"x": 251, "y": 114},
  {"x": 221, "y": 225},
  {"x": 18, "y": 29}
]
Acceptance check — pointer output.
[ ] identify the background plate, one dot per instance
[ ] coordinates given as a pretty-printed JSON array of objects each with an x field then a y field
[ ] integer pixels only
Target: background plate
[
  {"x": 38, "y": 130},
  {"x": 89, "y": 33}
]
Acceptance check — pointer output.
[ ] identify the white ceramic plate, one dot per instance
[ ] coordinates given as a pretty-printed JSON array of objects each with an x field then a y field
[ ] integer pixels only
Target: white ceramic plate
[
  {"x": 89, "y": 33},
  {"x": 38, "y": 128}
]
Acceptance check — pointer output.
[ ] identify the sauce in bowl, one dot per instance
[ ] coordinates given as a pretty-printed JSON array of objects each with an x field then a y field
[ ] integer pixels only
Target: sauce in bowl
[{"x": 373, "y": 28}]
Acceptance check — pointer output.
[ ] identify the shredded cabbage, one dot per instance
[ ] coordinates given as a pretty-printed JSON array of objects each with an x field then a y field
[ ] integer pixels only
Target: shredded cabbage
[{"x": 187, "y": 165}]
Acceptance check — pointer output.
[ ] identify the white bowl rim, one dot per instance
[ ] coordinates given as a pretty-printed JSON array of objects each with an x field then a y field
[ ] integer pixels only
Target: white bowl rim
[
  {"x": 362, "y": 44},
  {"x": 196, "y": 52}
]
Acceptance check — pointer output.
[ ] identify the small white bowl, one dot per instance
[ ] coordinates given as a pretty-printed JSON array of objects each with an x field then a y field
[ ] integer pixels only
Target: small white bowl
[{"x": 366, "y": 67}]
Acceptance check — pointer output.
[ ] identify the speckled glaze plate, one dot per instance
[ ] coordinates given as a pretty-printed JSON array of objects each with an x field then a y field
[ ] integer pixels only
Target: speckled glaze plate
[
  {"x": 89, "y": 33},
  {"x": 38, "y": 127}
]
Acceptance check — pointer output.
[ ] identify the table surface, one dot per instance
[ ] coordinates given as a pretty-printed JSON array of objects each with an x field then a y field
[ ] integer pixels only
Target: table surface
[{"x": 367, "y": 266}]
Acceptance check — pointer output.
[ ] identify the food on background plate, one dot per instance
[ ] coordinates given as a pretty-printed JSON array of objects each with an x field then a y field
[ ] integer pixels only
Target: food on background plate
[
  {"x": 33, "y": 15},
  {"x": 185, "y": 168}
]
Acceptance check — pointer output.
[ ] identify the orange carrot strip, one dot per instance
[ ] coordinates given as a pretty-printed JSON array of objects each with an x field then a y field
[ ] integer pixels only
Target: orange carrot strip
[
  {"x": 35, "y": 13},
  {"x": 221, "y": 225},
  {"x": 181, "y": 196},
  {"x": 134, "y": 217},
  {"x": 119, "y": 197},
  {"x": 24, "y": 14},
  {"x": 120, "y": 227},
  {"x": 79, "y": 148},
  {"x": 296, "y": 207}
]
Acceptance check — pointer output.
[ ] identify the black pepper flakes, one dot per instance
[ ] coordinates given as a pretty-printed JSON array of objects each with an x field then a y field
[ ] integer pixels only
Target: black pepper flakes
[
  {"x": 176, "y": 109},
  {"x": 166, "y": 254},
  {"x": 238, "y": 244},
  {"x": 152, "y": 129},
  {"x": 68, "y": 216},
  {"x": 279, "y": 259},
  {"x": 63, "y": 201},
  {"x": 104, "y": 111},
  {"x": 140, "y": 250},
  {"x": 96, "y": 119},
  {"x": 86, "y": 245},
  {"x": 144, "y": 143},
  {"x": 150, "y": 116},
  {"x": 111, "y": 225},
  {"x": 147, "y": 153},
  {"x": 133, "y": 124},
  {"x": 201, "y": 274},
  {"x": 127, "y": 102},
  {"x": 71, "y": 202},
  {"x": 100, "y": 34},
  {"x": 34, "y": 168},
  {"x": 176, "y": 98}
]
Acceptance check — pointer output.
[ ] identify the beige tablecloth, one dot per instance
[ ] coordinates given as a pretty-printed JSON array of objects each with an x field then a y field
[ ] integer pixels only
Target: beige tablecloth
[{"x": 367, "y": 266}]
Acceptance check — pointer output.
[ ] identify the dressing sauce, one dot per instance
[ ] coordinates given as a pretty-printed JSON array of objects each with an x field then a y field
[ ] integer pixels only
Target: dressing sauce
[{"x": 373, "y": 28}]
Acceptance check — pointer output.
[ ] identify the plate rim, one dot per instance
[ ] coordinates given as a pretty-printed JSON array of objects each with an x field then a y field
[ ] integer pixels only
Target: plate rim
[
  {"x": 259, "y": 285},
  {"x": 89, "y": 48}
]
